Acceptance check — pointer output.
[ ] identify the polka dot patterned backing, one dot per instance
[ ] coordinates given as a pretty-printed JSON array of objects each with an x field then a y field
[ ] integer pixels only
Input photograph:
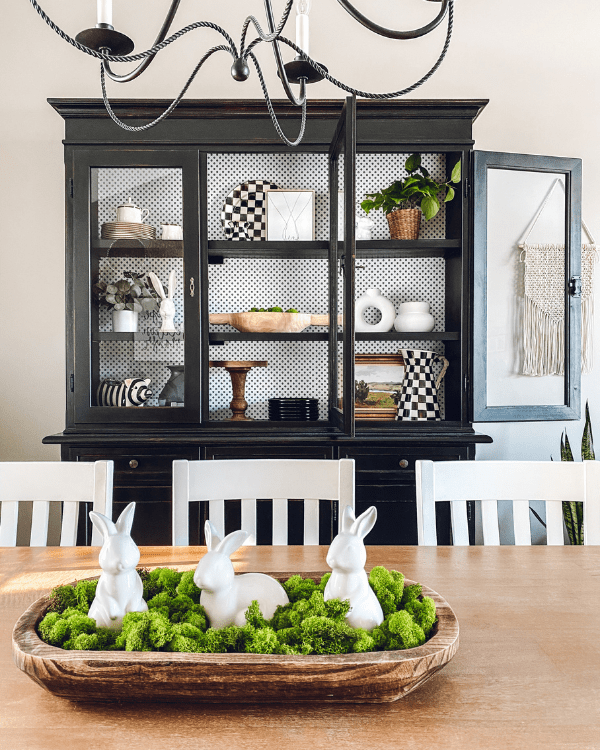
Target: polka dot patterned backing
[
  {"x": 159, "y": 190},
  {"x": 296, "y": 369},
  {"x": 299, "y": 369},
  {"x": 310, "y": 172}
]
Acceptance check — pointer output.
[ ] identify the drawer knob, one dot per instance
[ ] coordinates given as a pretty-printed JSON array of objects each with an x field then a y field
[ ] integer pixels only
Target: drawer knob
[
  {"x": 403, "y": 463},
  {"x": 133, "y": 464}
]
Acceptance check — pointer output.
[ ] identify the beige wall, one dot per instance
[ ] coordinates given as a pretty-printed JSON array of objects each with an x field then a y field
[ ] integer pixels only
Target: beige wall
[{"x": 537, "y": 62}]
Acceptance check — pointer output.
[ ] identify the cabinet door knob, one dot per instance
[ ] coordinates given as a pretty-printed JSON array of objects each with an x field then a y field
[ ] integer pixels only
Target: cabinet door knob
[
  {"x": 403, "y": 463},
  {"x": 133, "y": 464}
]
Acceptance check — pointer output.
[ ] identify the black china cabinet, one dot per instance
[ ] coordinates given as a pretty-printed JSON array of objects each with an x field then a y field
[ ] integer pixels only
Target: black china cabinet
[{"x": 184, "y": 172}]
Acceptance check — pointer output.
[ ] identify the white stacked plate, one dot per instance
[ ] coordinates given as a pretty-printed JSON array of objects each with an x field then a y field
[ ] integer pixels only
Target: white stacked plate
[{"x": 127, "y": 230}]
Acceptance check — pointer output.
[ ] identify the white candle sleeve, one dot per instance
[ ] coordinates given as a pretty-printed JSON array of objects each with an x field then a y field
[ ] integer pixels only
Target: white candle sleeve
[
  {"x": 302, "y": 32},
  {"x": 105, "y": 11}
]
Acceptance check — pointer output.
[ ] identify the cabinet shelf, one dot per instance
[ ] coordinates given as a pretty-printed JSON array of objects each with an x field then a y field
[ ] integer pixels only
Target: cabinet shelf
[
  {"x": 139, "y": 248},
  {"x": 157, "y": 336},
  {"x": 219, "y": 249},
  {"x": 217, "y": 337}
]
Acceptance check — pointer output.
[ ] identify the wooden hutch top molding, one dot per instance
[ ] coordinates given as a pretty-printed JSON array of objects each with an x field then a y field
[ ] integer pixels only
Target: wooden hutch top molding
[{"x": 193, "y": 121}]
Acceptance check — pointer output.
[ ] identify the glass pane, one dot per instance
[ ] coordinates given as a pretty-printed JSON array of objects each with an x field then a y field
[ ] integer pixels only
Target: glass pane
[
  {"x": 525, "y": 288},
  {"x": 137, "y": 321}
]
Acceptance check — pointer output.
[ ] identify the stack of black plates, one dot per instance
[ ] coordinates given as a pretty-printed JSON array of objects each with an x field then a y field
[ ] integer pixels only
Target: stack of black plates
[{"x": 293, "y": 409}]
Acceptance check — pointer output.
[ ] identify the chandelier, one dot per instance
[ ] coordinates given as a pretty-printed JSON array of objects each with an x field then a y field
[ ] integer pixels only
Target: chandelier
[{"x": 109, "y": 46}]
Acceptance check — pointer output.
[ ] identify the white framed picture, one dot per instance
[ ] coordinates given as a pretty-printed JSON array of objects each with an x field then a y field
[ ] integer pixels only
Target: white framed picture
[{"x": 290, "y": 215}]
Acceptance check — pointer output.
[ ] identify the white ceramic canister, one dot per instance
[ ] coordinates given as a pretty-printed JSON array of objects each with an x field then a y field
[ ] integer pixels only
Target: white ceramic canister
[
  {"x": 374, "y": 298},
  {"x": 414, "y": 317},
  {"x": 124, "y": 321}
]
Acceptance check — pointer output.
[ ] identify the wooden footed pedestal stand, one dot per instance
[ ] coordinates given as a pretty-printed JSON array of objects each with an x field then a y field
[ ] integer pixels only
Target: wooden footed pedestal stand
[{"x": 238, "y": 372}]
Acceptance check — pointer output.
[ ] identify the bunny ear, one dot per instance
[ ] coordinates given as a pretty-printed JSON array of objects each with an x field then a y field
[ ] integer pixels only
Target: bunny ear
[
  {"x": 125, "y": 520},
  {"x": 156, "y": 284},
  {"x": 232, "y": 542},
  {"x": 347, "y": 518},
  {"x": 104, "y": 525},
  {"x": 365, "y": 522},
  {"x": 172, "y": 283},
  {"x": 211, "y": 536}
]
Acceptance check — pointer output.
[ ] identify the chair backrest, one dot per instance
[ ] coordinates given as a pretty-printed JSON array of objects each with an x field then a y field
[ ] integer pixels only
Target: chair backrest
[
  {"x": 248, "y": 480},
  {"x": 521, "y": 482},
  {"x": 44, "y": 482}
]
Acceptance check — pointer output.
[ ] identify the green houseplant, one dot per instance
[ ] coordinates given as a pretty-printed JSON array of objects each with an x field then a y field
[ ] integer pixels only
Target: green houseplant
[
  {"x": 404, "y": 201},
  {"x": 127, "y": 297},
  {"x": 573, "y": 512}
]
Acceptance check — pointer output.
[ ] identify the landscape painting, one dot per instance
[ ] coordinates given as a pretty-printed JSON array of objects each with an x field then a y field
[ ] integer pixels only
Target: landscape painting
[{"x": 378, "y": 379}]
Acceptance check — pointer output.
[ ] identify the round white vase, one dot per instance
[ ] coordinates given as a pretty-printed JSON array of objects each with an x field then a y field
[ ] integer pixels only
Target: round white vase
[
  {"x": 124, "y": 321},
  {"x": 374, "y": 298},
  {"x": 414, "y": 317}
]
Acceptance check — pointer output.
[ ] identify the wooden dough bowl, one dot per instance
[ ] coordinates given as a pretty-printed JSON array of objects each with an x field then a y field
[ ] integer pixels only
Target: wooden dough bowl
[
  {"x": 100, "y": 676},
  {"x": 268, "y": 322}
]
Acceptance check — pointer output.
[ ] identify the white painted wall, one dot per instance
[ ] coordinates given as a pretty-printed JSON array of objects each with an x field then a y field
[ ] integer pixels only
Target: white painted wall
[{"x": 536, "y": 61}]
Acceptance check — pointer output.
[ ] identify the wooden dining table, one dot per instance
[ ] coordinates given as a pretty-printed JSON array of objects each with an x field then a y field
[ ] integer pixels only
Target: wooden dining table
[{"x": 526, "y": 674}]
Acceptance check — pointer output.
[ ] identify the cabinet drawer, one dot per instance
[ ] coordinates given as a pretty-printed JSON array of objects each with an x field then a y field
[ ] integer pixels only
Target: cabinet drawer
[
  {"x": 396, "y": 460},
  {"x": 224, "y": 452},
  {"x": 139, "y": 468}
]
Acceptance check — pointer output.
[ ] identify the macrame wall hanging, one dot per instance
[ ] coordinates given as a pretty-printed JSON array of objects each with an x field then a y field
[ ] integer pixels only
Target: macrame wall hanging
[{"x": 544, "y": 307}]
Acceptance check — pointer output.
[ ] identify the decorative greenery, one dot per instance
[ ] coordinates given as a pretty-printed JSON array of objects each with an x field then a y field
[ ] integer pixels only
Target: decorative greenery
[
  {"x": 176, "y": 621},
  {"x": 129, "y": 293},
  {"x": 573, "y": 512},
  {"x": 417, "y": 190},
  {"x": 361, "y": 391}
]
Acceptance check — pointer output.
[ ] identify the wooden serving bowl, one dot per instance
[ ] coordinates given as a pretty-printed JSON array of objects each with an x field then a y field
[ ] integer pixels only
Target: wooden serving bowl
[
  {"x": 268, "y": 322},
  {"x": 100, "y": 676}
]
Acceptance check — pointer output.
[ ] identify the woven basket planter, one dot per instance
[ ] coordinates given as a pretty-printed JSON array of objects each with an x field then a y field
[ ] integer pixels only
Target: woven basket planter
[{"x": 404, "y": 223}]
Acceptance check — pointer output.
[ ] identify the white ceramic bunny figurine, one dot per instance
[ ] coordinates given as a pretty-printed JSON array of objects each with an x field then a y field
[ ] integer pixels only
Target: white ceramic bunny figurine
[
  {"x": 120, "y": 588},
  {"x": 225, "y": 596},
  {"x": 347, "y": 557},
  {"x": 167, "y": 305}
]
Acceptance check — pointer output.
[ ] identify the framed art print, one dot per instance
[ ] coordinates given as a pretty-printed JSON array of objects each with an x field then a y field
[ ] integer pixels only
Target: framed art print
[
  {"x": 378, "y": 379},
  {"x": 290, "y": 215}
]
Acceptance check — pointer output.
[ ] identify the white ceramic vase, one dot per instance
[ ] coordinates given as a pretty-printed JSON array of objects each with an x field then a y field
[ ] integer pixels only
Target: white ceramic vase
[
  {"x": 124, "y": 321},
  {"x": 414, "y": 317},
  {"x": 374, "y": 298}
]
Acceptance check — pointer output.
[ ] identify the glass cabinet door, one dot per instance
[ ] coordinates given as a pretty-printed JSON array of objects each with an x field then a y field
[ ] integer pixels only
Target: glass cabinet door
[
  {"x": 342, "y": 256},
  {"x": 527, "y": 287},
  {"x": 135, "y": 241}
]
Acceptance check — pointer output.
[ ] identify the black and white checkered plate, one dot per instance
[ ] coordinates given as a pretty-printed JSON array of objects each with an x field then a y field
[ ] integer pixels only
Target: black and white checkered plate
[{"x": 244, "y": 214}]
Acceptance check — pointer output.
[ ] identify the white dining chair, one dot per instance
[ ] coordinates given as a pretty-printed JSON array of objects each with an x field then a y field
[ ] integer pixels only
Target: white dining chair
[
  {"x": 519, "y": 482},
  {"x": 248, "y": 480},
  {"x": 43, "y": 482}
]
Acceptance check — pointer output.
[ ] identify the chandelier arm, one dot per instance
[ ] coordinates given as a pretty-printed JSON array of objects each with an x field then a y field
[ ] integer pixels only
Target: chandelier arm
[
  {"x": 274, "y": 119},
  {"x": 278, "y": 59},
  {"x": 392, "y": 94},
  {"x": 174, "y": 103},
  {"x": 264, "y": 37},
  {"x": 140, "y": 55},
  {"x": 391, "y": 33},
  {"x": 144, "y": 64}
]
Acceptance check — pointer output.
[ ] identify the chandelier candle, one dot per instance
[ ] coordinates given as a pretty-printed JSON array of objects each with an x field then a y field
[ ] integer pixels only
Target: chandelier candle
[
  {"x": 104, "y": 12},
  {"x": 302, "y": 11}
]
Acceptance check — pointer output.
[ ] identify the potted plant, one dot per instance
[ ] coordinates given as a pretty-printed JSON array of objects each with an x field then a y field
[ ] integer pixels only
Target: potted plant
[
  {"x": 127, "y": 297},
  {"x": 404, "y": 201}
]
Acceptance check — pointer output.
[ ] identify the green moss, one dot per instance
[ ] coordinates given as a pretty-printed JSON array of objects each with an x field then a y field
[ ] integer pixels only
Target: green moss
[{"x": 175, "y": 620}]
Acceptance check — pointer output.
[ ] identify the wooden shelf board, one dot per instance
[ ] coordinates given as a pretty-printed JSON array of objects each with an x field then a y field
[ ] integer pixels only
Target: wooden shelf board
[
  {"x": 141, "y": 249},
  {"x": 217, "y": 336},
  {"x": 158, "y": 337}
]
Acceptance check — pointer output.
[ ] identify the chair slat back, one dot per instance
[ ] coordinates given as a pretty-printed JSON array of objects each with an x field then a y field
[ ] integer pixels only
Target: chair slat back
[
  {"x": 43, "y": 482},
  {"x": 278, "y": 480},
  {"x": 520, "y": 482}
]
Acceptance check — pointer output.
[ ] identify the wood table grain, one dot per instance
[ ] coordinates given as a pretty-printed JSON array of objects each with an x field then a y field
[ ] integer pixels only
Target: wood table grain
[{"x": 526, "y": 675}]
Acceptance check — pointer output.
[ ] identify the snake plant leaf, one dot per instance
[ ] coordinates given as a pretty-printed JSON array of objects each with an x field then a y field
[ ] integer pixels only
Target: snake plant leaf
[
  {"x": 566, "y": 454},
  {"x": 587, "y": 439}
]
